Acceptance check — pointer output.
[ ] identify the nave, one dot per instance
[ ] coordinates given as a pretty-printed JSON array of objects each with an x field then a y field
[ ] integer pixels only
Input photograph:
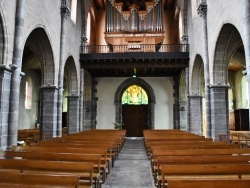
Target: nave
[
  {"x": 131, "y": 168},
  {"x": 109, "y": 159}
]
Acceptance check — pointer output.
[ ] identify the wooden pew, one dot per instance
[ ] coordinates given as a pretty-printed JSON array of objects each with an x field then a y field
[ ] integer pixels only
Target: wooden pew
[
  {"x": 84, "y": 170},
  {"x": 16, "y": 179},
  {"x": 196, "y": 146},
  {"x": 215, "y": 171},
  {"x": 99, "y": 165},
  {"x": 204, "y": 183},
  {"x": 28, "y": 135},
  {"x": 203, "y": 159},
  {"x": 101, "y": 151}
]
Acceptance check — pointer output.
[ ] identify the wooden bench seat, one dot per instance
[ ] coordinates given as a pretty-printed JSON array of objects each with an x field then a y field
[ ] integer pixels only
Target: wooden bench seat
[
  {"x": 84, "y": 170},
  {"x": 212, "y": 171},
  {"x": 204, "y": 159},
  {"x": 101, "y": 151},
  {"x": 204, "y": 183},
  {"x": 99, "y": 165},
  {"x": 12, "y": 179}
]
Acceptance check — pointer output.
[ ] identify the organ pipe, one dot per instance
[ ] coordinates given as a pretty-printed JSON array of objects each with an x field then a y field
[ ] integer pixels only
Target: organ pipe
[{"x": 134, "y": 20}]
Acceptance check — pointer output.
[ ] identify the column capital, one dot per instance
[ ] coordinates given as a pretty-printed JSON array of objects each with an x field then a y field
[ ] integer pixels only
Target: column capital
[
  {"x": 219, "y": 86},
  {"x": 185, "y": 38},
  {"x": 195, "y": 96},
  {"x": 202, "y": 9},
  {"x": 65, "y": 12},
  {"x": 73, "y": 96}
]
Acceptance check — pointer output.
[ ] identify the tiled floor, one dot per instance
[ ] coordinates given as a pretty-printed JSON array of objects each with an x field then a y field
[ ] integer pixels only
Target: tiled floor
[{"x": 132, "y": 168}]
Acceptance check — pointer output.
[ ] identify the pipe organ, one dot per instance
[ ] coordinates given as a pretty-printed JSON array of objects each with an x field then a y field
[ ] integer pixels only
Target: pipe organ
[{"x": 134, "y": 23}]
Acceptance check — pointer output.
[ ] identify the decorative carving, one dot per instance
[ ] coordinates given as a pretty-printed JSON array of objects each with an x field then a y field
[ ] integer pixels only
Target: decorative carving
[
  {"x": 149, "y": 8},
  {"x": 142, "y": 16},
  {"x": 65, "y": 12},
  {"x": 112, "y": 2},
  {"x": 126, "y": 16},
  {"x": 185, "y": 38},
  {"x": 83, "y": 40},
  {"x": 202, "y": 9},
  {"x": 156, "y": 2},
  {"x": 119, "y": 8}
]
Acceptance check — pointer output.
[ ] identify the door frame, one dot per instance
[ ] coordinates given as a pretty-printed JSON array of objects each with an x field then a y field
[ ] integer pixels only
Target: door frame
[{"x": 151, "y": 100}]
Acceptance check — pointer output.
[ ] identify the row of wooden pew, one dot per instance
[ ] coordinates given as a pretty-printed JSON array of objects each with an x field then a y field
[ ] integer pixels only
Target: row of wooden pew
[
  {"x": 181, "y": 159},
  {"x": 81, "y": 160},
  {"x": 28, "y": 136},
  {"x": 242, "y": 138}
]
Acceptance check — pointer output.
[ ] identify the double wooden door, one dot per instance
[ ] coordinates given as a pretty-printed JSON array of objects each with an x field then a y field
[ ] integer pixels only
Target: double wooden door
[{"x": 135, "y": 119}]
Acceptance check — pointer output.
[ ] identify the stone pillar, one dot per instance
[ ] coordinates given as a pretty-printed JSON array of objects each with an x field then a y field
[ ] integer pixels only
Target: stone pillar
[
  {"x": 73, "y": 114},
  {"x": 176, "y": 109},
  {"x": 65, "y": 12},
  {"x": 195, "y": 114},
  {"x": 151, "y": 114},
  {"x": 118, "y": 112},
  {"x": 15, "y": 80},
  {"x": 48, "y": 109},
  {"x": 185, "y": 25},
  {"x": 5, "y": 77},
  {"x": 246, "y": 41},
  {"x": 81, "y": 99},
  {"x": 93, "y": 104},
  {"x": 219, "y": 109},
  {"x": 87, "y": 108},
  {"x": 183, "y": 115},
  {"x": 202, "y": 10}
]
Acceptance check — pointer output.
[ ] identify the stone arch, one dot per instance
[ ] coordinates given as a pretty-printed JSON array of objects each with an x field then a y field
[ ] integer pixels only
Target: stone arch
[
  {"x": 38, "y": 65},
  {"x": 151, "y": 99},
  {"x": 39, "y": 43},
  {"x": 228, "y": 42},
  {"x": 197, "y": 110},
  {"x": 197, "y": 77},
  {"x": 70, "y": 74},
  {"x": 3, "y": 40}
]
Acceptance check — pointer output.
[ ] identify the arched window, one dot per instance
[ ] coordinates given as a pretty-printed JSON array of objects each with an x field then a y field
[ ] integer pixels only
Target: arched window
[
  {"x": 73, "y": 10},
  {"x": 28, "y": 93},
  {"x": 134, "y": 95}
]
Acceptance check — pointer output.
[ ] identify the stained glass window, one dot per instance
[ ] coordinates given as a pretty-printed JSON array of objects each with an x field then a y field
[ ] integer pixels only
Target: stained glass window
[{"x": 134, "y": 95}]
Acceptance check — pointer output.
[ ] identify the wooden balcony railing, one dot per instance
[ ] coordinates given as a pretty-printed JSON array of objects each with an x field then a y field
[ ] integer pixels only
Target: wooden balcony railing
[{"x": 134, "y": 48}]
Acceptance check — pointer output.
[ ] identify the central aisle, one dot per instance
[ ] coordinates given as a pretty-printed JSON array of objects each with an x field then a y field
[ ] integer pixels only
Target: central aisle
[{"x": 132, "y": 168}]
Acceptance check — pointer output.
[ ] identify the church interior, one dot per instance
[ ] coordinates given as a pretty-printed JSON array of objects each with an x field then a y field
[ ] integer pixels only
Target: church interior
[{"x": 137, "y": 82}]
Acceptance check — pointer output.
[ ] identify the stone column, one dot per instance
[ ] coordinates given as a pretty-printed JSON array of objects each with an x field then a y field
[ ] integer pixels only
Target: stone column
[
  {"x": 183, "y": 115},
  {"x": 5, "y": 77},
  {"x": 246, "y": 41},
  {"x": 202, "y": 10},
  {"x": 219, "y": 109},
  {"x": 65, "y": 12},
  {"x": 73, "y": 114},
  {"x": 81, "y": 99},
  {"x": 48, "y": 109},
  {"x": 195, "y": 114},
  {"x": 185, "y": 25},
  {"x": 15, "y": 80},
  {"x": 87, "y": 106}
]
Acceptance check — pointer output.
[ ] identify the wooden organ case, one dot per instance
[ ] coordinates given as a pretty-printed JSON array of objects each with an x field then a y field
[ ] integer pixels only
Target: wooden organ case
[{"x": 134, "y": 24}]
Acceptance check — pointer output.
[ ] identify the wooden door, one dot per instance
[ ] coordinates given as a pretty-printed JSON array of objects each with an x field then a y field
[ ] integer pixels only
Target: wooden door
[{"x": 134, "y": 119}]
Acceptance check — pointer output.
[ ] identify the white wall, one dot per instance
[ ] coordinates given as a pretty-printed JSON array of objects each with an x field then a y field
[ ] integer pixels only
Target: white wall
[{"x": 163, "y": 90}]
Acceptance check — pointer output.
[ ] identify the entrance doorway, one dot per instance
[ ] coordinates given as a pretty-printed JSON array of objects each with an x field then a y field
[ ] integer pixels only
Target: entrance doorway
[{"x": 135, "y": 119}]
